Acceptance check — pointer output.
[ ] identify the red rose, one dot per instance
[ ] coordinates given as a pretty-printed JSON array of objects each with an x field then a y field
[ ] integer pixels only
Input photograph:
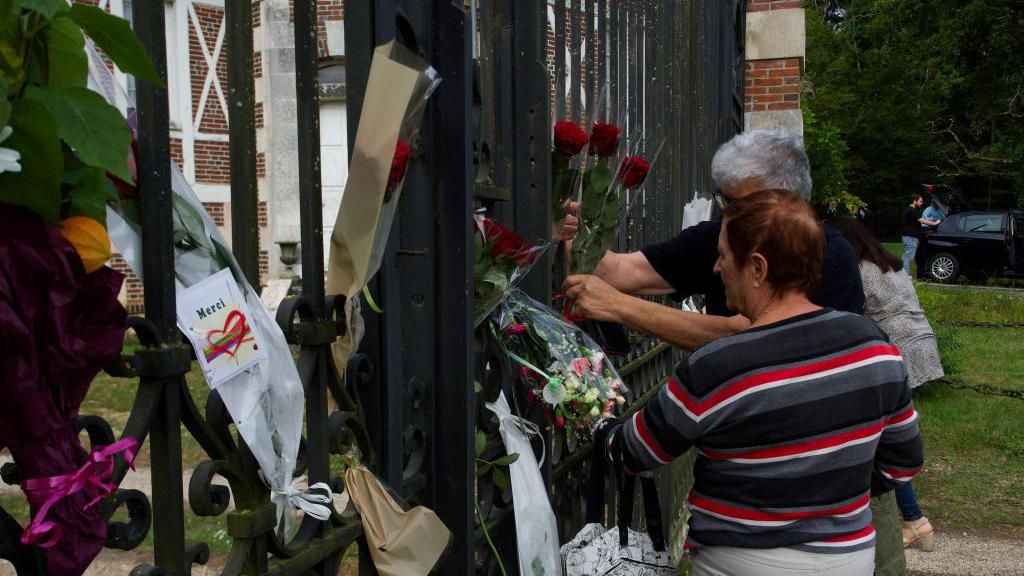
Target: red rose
[
  {"x": 569, "y": 138},
  {"x": 399, "y": 164},
  {"x": 604, "y": 140},
  {"x": 505, "y": 243},
  {"x": 633, "y": 171}
]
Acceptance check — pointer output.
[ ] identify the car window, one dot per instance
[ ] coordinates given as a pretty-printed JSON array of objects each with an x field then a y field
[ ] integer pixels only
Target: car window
[{"x": 981, "y": 223}]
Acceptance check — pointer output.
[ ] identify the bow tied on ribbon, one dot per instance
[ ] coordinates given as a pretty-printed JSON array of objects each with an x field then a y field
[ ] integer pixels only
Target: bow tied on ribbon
[
  {"x": 93, "y": 479},
  {"x": 314, "y": 501},
  {"x": 528, "y": 428}
]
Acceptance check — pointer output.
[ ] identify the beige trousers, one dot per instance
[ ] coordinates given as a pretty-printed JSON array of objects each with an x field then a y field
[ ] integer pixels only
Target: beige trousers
[{"x": 731, "y": 561}]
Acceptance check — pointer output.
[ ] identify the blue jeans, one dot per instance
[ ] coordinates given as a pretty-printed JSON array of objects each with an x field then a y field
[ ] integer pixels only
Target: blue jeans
[
  {"x": 907, "y": 501},
  {"x": 909, "y": 249}
]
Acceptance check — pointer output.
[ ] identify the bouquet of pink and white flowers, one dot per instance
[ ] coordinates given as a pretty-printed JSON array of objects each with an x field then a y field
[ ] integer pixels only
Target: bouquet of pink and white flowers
[{"x": 565, "y": 372}]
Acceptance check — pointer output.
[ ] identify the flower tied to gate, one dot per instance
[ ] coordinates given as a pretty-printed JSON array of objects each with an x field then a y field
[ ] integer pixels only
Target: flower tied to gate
[
  {"x": 515, "y": 329},
  {"x": 399, "y": 165},
  {"x": 633, "y": 171},
  {"x": 506, "y": 244},
  {"x": 93, "y": 479},
  {"x": 604, "y": 139},
  {"x": 569, "y": 138}
]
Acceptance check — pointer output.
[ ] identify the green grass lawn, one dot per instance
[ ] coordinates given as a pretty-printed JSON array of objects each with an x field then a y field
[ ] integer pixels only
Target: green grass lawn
[{"x": 974, "y": 443}]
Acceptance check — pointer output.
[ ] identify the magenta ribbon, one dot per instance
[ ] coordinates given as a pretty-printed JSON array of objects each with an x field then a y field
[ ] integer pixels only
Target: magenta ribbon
[{"x": 93, "y": 478}]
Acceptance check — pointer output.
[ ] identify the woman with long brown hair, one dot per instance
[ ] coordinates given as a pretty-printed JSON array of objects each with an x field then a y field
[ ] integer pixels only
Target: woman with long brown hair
[{"x": 891, "y": 302}]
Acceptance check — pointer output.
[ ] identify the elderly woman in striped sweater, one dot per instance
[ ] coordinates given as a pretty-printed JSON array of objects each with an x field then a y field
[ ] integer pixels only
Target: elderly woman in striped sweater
[{"x": 795, "y": 420}]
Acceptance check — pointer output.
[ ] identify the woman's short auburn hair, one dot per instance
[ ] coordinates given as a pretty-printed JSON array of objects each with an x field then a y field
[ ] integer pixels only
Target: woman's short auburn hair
[{"x": 783, "y": 228}]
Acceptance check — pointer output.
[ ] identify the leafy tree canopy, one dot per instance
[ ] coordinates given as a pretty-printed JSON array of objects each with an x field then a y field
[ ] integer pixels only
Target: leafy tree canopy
[{"x": 922, "y": 91}]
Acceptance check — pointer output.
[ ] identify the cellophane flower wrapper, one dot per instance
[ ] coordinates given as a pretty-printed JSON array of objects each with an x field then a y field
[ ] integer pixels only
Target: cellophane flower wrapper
[
  {"x": 398, "y": 89},
  {"x": 407, "y": 135},
  {"x": 58, "y": 328},
  {"x": 610, "y": 191},
  {"x": 501, "y": 260},
  {"x": 565, "y": 372},
  {"x": 265, "y": 401}
]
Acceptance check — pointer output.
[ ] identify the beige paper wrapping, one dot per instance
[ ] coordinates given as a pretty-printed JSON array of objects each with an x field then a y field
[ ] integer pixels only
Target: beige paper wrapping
[
  {"x": 388, "y": 90},
  {"x": 401, "y": 542},
  {"x": 395, "y": 77}
]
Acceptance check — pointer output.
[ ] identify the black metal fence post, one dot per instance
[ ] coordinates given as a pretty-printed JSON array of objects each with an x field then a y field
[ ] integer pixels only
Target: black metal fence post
[
  {"x": 158, "y": 275},
  {"x": 245, "y": 242},
  {"x": 455, "y": 399}
]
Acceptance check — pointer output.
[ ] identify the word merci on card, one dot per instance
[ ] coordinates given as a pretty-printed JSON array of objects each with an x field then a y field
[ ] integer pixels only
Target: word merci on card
[{"x": 214, "y": 317}]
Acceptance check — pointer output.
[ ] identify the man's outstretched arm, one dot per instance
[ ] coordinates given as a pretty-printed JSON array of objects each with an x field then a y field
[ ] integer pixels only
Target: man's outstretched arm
[
  {"x": 595, "y": 299},
  {"x": 632, "y": 273}
]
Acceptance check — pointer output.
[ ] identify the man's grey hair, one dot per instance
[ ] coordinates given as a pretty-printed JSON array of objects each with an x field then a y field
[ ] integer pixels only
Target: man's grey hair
[{"x": 774, "y": 157}]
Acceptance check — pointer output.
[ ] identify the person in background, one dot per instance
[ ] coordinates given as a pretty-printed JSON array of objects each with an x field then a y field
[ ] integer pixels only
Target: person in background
[
  {"x": 892, "y": 303},
  {"x": 911, "y": 222},
  {"x": 794, "y": 419},
  {"x": 933, "y": 212}
]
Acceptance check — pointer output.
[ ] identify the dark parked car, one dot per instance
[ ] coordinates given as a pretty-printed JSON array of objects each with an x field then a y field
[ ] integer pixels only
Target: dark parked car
[{"x": 975, "y": 244}]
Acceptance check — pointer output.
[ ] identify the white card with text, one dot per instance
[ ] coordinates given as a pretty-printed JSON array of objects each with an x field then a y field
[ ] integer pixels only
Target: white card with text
[{"x": 216, "y": 320}]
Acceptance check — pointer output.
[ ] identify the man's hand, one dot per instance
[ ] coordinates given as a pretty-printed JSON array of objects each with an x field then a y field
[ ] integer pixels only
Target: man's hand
[
  {"x": 593, "y": 298},
  {"x": 565, "y": 229}
]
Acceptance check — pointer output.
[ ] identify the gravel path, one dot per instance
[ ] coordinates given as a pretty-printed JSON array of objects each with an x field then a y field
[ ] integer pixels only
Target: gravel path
[{"x": 965, "y": 554}]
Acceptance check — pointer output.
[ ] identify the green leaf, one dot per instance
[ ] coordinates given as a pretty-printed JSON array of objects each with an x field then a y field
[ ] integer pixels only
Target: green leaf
[
  {"x": 561, "y": 183},
  {"x": 47, "y": 8},
  {"x": 483, "y": 467},
  {"x": 5, "y": 104},
  {"x": 88, "y": 194},
  {"x": 501, "y": 479},
  {"x": 115, "y": 37},
  {"x": 495, "y": 277},
  {"x": 481, "y": 442},
  {"x": 37, "y": 186},
  {"x": 68, "y": 64},
  {"x": 595, "y": 186},
  {"x": 94, "y": 129},
  {"x": 506, "y": 459}
]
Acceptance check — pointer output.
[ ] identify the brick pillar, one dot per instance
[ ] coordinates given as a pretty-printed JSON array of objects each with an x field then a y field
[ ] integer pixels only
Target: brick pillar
[{"x": 776, "y": 39}]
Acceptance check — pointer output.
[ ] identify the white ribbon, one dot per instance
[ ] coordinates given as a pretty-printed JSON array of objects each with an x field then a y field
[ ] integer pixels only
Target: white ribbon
[
  {"x": 525, "y": 426},
  {"x": 316, "y": 504}
]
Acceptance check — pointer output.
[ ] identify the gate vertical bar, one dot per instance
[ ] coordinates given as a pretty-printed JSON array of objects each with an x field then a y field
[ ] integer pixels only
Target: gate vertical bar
[
  {"x": 242, "y": 124},
  {"x": 158, "y": 273},
  {"x": 532, "y": 135},
  {"x": 587, "y": 33},
  {"x": 311, "y": 220},
  {"x": 455, "y": 398},
  {"x": 573, "y": 14},
  {"x": 560, "y": 46},
  {"x": 602, "y": 58}
]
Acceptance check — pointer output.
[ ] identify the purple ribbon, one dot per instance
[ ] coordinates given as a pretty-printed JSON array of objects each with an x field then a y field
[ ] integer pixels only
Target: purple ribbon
[{"x": 93, "y": 478}]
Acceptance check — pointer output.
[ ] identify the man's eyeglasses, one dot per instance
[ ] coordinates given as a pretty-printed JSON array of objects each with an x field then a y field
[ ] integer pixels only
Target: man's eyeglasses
[{"x": 721, "y": 199}]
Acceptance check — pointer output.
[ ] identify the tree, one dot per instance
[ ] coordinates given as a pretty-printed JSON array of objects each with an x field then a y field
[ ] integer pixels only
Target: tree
[
  {"x": 922, "y": 91},
  {"x": 827, "y": 151}
]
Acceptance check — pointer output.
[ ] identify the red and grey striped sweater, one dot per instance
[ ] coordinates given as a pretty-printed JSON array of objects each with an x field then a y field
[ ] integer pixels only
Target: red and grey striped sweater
[{"x": 795, "y": 423}]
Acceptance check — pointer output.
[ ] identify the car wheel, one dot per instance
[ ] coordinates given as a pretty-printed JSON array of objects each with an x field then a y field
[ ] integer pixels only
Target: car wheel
[{"x": 944, "y": 268}]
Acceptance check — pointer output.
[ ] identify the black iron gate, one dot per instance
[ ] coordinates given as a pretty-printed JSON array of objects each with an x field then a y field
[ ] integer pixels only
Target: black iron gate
[{"x": 672, "y": 68}]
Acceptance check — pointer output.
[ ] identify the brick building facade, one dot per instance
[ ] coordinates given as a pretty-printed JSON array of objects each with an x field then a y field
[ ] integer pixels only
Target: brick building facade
[
  {"x": 775, "y": 45},
  {"x": 197, "y": 87}
]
